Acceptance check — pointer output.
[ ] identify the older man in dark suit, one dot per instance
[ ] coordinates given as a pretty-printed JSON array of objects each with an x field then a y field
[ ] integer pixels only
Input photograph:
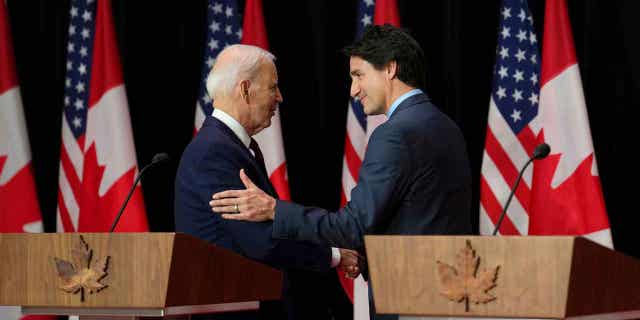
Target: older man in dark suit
[
  {"x": 244, "y": 86},
  {"x": 415, "y": 177}
]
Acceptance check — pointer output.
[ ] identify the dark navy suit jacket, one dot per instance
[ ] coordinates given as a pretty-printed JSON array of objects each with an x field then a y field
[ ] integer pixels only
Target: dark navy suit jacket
[
  {"x": 414, "y": 179},
  {"x": 211, "y": 163}
]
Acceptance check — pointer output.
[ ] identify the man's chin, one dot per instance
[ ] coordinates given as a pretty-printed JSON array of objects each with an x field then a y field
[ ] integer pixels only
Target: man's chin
[{"x": 370, "y": 112}]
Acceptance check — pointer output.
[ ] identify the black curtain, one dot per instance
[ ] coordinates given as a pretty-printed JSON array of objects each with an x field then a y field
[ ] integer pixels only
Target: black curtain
[{"x": 161, "y": 49}]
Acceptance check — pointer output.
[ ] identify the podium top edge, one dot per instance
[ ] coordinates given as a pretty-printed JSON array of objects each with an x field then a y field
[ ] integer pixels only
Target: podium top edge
[{"x": 380, "y": 236}]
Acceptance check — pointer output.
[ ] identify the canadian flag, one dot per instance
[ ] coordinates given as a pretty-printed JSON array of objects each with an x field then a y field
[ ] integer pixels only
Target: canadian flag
[
  {"x": 97, "y": 159},
  {"x": 19, "y": 208},
  {"x": 566, "y": 196},
  {"x": 269, "y": 139}
]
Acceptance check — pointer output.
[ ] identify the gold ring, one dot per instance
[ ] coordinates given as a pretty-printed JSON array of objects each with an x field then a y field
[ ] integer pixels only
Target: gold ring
[{"x": 237, "y": 209}]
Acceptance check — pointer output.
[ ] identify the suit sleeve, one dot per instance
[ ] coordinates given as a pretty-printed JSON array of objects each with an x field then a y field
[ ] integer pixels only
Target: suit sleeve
[
  {"x": 254, "y": 240},
  {"x": 382, "y": 180}
]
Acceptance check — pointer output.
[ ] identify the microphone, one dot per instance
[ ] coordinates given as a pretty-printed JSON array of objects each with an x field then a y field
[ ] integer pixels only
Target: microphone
[
  {"x": 541, "y": 152},
  {"x": 158, "y": 158}
]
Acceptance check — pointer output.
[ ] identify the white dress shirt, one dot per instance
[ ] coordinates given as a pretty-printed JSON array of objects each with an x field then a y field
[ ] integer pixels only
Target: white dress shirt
[{"x": 234, "y": 125}]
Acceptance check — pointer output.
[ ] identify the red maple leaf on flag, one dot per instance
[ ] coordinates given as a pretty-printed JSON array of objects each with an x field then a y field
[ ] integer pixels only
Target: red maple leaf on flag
[
  {"x": 576, "y": 206},
  {"x": 97, "y": 212}
]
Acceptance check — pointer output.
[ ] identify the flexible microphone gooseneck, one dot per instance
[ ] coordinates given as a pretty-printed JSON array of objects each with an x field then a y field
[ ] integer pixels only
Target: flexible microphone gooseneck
[
  {"x": 541, "y": 152},
  {"x": 158, "y": 158}
]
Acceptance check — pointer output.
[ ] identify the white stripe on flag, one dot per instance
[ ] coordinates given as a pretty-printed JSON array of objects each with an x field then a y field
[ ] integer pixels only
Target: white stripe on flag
[
  {"x": 69, "y": 200},
  {"x": 501, "y": 190},
  {"x": 59, "y": 226},
  {"x": 486, "y": 224},
  {"x": 356, "y": 133},
  {"x": 508, "y": 141},
  {"x": 348, "y": 182},
  {"x": 76, "y": 156}
]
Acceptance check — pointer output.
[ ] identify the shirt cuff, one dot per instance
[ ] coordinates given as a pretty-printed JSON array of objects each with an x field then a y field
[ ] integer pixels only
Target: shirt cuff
[{"x": 335, "y": 257}]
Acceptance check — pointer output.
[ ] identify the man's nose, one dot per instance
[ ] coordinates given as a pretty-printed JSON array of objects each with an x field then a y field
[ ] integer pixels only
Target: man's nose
[{"x": 355, "y": 89}]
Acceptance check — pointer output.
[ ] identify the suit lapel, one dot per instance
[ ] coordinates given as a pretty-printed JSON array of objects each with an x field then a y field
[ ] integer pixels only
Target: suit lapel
[{"x": 263, "y": 180}]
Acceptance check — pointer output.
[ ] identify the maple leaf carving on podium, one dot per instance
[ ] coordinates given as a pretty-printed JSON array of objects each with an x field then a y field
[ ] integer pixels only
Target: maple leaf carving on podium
[
  {"x": 82, "y": 274},
  {"x": 465, "y": 283}
]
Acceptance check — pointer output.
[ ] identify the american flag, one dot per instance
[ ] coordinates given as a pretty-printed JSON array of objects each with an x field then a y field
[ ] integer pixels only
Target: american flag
[
  {"x": 514, "y": 103},
  {"x": 359, "y": 129},
  {"x": 531, "y": 104},
  {"x": 97, "y": 158},
  {"x": 223, "y": 29}
]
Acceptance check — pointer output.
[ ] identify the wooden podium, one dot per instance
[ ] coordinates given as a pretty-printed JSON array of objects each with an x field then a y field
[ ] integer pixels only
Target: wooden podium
[
  {"x": 147, "y": 275},
  {"x": 556, "y": 277}
]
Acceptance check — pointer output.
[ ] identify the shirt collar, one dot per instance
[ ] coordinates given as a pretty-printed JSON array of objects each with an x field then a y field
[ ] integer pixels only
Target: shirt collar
[
  {"x": 234, "y": 125},
  {"x": 401, "y": 99}
]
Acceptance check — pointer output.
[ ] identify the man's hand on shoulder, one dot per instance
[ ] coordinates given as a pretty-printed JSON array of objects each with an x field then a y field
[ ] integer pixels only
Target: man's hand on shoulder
[{"x": 250, "y": 204}]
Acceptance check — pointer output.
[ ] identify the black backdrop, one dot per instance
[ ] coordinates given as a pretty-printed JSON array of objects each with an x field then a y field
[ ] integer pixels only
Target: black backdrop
[{"x": 161, "y": 50}]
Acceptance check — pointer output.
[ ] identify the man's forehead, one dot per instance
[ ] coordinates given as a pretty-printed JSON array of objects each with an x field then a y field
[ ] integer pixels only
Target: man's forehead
[{"x": 356, "y": 63}]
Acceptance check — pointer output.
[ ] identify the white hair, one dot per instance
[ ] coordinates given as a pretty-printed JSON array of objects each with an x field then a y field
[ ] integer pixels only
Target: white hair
[{"x": 242, "y": 63}]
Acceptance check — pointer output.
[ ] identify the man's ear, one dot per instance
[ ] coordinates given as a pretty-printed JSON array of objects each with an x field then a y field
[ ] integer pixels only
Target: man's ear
[
  {"x": 244, "y": 90},
  {"x": 391, "y": 69}
]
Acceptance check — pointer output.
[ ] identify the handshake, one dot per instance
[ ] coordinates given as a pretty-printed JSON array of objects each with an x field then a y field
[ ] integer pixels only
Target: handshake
[{"x": 350, "y": 262}]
